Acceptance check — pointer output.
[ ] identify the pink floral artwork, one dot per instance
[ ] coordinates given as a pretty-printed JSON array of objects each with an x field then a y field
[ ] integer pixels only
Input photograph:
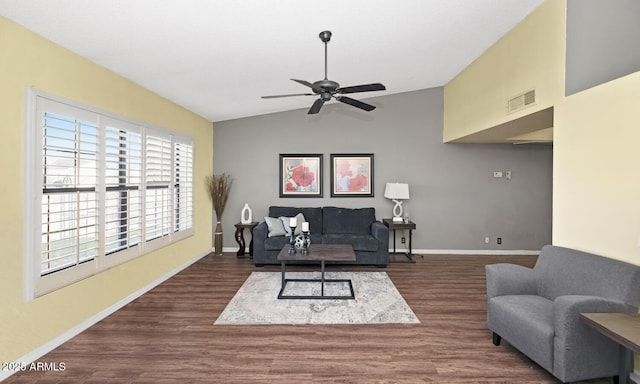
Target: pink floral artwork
[{"x": 352, "y": 175}]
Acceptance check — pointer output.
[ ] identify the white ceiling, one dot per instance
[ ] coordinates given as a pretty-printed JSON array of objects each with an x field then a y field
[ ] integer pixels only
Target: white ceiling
[{"x": 217, "y": 57}]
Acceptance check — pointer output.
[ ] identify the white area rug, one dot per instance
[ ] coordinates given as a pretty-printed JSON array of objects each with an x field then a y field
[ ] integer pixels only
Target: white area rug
[{"x": 377, "y": 301}]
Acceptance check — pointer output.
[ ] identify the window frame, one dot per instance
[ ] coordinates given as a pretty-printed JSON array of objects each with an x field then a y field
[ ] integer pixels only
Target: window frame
[{"x": 35, "y": 283}]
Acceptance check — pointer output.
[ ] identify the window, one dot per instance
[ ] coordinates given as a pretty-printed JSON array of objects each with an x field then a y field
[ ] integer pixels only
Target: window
[
  {"x": 69, "y": 196},
  {"x": 100, "y": 190}
]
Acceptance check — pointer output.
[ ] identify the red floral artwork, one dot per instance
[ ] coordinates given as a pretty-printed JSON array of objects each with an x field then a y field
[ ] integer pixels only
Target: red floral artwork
[
  {"x": 302, "y": 176},
  {"x": 358, "y": 183}
]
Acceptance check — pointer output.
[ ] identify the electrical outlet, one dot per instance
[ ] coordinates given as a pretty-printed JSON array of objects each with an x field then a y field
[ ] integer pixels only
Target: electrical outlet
[
  {"x": 499, "y": 240},
  {"x": 403, "y": 240},
  {"x": 486, "y": 240},
  {"x": 497, "y": 174}
]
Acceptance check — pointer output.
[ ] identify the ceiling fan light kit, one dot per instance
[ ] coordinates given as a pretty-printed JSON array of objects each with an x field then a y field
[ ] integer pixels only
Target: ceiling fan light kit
[{"x": 328, "y": 89}]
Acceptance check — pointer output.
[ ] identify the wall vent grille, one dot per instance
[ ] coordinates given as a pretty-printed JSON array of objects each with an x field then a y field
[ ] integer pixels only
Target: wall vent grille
[{"x": 521, "y": 101}]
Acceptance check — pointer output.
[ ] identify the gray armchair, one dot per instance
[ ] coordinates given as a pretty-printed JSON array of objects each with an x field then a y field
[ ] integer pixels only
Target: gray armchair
[{"x": 537, "y": 310}]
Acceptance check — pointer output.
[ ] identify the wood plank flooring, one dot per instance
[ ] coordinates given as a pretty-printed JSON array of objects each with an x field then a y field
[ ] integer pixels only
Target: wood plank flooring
[{"x": 168, "y": 336}]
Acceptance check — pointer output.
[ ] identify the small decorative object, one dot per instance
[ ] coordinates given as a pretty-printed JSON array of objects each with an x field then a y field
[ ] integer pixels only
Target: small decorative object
[
  {"x": 299, "y": 242},
  {"x": 292, "y": 245},
  {"x": 352, "y": 175},
  {"x": 301, "y": 175},
  {"x": 397, "y": 192},
  {"x": 245, "y": 215},
  {"x": 218, "y": 187},
  {"x": 303, "y": 241}
]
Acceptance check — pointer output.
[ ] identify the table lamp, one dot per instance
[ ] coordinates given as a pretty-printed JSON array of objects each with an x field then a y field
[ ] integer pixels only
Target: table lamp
[{"x": 397, "y": 192}]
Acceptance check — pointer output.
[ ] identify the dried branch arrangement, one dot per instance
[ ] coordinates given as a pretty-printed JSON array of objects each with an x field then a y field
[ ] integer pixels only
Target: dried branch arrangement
[{"x": 218, "y": 187}]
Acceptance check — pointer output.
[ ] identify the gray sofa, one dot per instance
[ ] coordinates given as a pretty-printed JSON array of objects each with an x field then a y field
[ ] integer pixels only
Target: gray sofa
[
  {"x": 537, "y": 310},
  {"x": 328, "y": 225}
]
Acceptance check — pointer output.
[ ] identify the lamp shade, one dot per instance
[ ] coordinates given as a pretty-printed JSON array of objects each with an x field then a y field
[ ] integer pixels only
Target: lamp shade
[{"x": 396, "y": 191}]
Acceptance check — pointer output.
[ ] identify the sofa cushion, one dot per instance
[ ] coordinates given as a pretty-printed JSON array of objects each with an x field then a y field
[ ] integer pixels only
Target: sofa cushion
[
  {"x": 355, "y": 221},
  {"x": 359, "y": 242},
  {"x": 286, "y": 222},
  {"x": 275, "y": 243},
  {"x": 311, "y": 215},
  {"x": 275, "y": 227},
  {"x": 565, "y": 271},
  {"x": 526, "y": 322}
]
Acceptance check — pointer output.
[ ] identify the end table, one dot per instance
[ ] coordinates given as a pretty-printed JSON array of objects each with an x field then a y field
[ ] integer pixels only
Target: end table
[
  {"x": 240, "y": 237},
  {"x": 624, "y": 329},
  {"x": 395, "y": 225}
]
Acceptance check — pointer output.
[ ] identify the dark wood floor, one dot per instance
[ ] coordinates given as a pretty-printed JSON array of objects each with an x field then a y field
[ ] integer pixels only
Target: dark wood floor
[{"x": 168, "y": 336}]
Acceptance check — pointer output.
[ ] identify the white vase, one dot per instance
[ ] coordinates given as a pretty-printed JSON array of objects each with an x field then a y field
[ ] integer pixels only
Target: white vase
[{"x": 245, "y": 215}]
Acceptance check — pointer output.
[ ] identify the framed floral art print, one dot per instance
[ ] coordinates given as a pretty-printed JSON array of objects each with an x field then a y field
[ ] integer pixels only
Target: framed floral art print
[
  {"x": 300, "y": 175},
  {"x": 352, "y": 175}
]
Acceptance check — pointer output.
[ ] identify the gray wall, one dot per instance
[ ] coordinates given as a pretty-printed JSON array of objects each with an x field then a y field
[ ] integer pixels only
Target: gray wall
[
  {"x": 603, "y": 40},
  {"x": 455, "y": 200}
]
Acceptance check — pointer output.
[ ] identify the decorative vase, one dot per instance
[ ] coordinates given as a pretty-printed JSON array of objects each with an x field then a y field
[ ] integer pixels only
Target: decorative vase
[
  {"x": 245, "y": 215},
  {"x": 217, "y": 241}
]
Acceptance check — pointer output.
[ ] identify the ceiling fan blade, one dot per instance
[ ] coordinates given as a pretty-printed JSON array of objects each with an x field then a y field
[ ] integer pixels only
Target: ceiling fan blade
[
  {"x": 308, "y": 84},
  {"x": 289, "y": 95},
  {"x": 362, "y": 88},
  {"x": 356, "y": 103},
  {"x": 315, "y": 108}
]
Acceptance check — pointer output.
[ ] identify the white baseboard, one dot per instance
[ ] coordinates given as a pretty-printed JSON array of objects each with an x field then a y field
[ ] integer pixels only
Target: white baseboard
[
  {"x": 472, "y": 251},
  {"x": 635, "y": 376},
  {"x": 68, "y": 335},
  {"x": 444, "y": 251}
]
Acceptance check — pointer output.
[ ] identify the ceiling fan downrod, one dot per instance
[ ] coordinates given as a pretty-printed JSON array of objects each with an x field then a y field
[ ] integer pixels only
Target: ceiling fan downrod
[{"x": 325, "y": 36}]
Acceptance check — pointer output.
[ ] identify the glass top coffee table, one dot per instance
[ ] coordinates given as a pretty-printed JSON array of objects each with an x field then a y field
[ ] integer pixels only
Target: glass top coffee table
[{"x": 321, "y": 253}]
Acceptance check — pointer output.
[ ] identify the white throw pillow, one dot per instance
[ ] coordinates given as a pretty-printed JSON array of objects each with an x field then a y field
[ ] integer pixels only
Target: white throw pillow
[
  {"x": 286, "y": 221},
  {"x": 275, "y": 226}
]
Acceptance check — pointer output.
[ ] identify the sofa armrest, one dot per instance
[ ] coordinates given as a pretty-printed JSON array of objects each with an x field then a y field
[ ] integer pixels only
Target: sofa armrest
[
  {"x": 380, "y": 231},
  {"x": 578, "y": 350},
  {"x": 567, "y": 310},
  {"x": 510, "y": 279},
  {"x": 260, "y": 234}
]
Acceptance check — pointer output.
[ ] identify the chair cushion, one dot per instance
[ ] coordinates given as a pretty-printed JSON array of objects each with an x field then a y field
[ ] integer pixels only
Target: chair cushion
[{"x": 526, "y": 322}]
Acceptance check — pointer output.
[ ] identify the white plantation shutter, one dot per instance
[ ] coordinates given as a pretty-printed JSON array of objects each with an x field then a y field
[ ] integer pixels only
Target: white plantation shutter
[
  {"x": 158, "y": 181},
  {"x": 123, "y": 178},
  {"x": 69, "y": 208},
  {"x": 183, "y": 185},
  {"x": 99, "y": 190}
]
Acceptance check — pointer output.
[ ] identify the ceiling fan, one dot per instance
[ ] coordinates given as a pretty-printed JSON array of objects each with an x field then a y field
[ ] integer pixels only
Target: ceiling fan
[{"x": 328, "y": 89}]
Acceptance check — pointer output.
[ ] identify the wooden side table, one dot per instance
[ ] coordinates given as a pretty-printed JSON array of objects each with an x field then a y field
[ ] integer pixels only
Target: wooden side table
[
  {"x": 240, "y": 237},
  {"x": 624, "y": 329},
  {"x": 395, "y": 225}
]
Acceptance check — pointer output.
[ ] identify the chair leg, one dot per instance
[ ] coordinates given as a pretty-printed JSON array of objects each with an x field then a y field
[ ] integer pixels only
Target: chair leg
[
  {"x": 616, "y": 379},
  {"x": 496, "y": 339}
]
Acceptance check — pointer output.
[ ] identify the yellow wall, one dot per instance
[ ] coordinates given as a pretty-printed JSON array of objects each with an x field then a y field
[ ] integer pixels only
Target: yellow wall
[
  {"x": 31, "y": 61},
  {"x": 596, "y": 170},
  {"x": 530, "y": 56},
  {"x": 596, "y": 198}
]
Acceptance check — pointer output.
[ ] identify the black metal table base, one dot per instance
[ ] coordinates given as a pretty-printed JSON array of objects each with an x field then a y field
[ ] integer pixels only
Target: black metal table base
[
  {"x": 407, "y": 257},
  {"x": 322, "y": 281}
]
